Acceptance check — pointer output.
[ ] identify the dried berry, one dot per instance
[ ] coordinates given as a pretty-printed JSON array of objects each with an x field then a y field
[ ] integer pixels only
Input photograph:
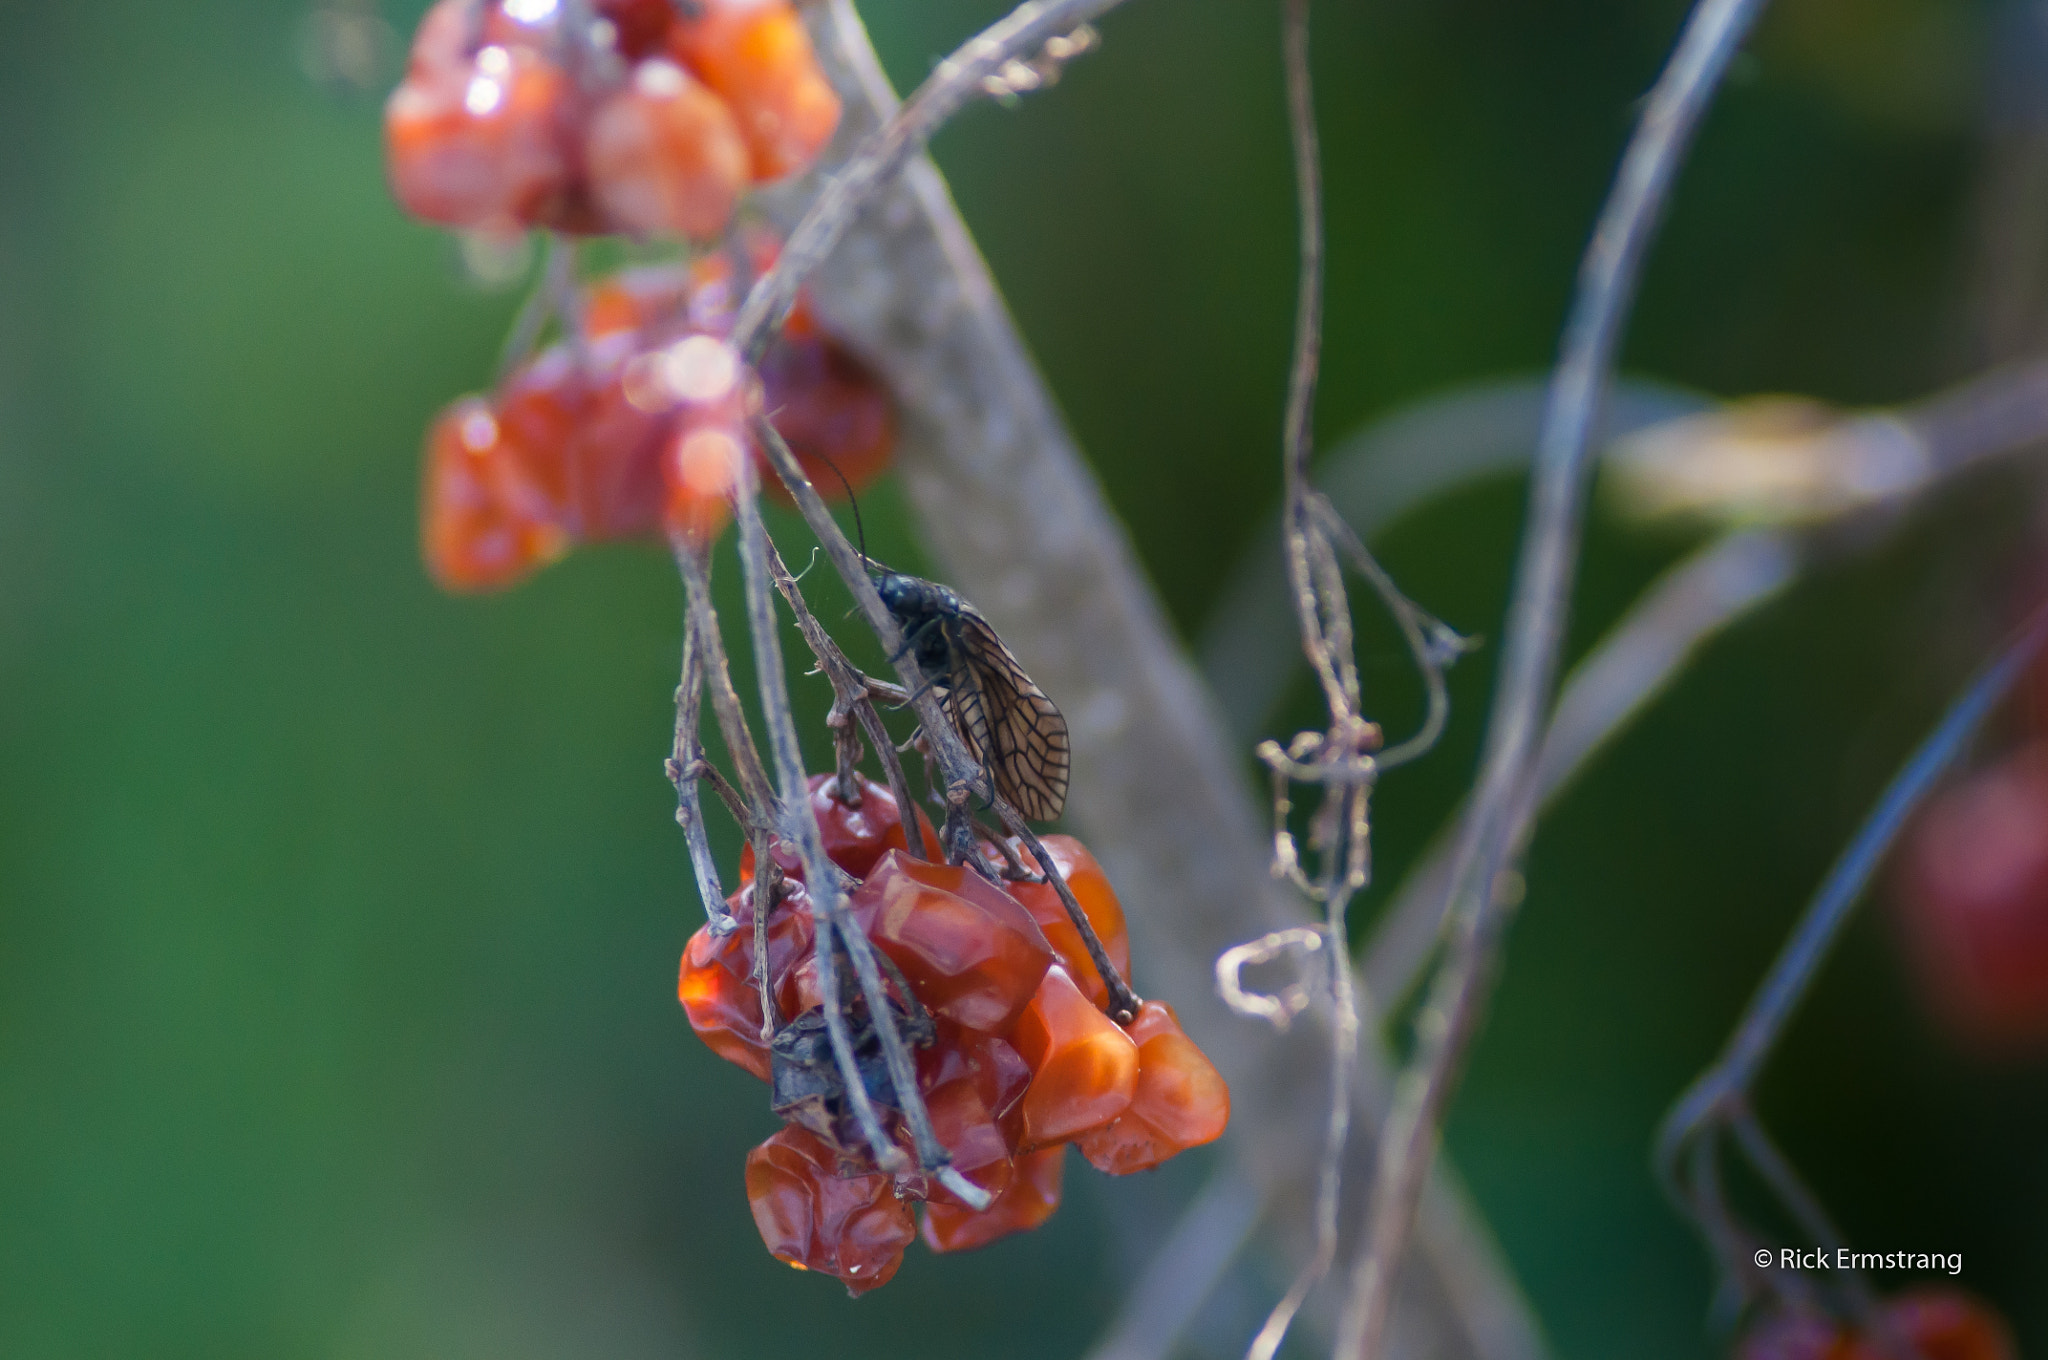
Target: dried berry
[
  {"x": 717, "y": 987},
  {"x": 972, "y": 955},
  {"x": 1033, "y": 1194},
  {"x": 855, "y": 835},
  {"x": 1084, "y": 1069},
  {"x": 1180, "y": 1101},
  {"x": 853, "y": 1227}
]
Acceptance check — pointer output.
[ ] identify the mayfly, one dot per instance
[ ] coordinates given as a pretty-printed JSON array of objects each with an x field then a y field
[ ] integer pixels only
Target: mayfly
[{"x": 1007, "y": 722}]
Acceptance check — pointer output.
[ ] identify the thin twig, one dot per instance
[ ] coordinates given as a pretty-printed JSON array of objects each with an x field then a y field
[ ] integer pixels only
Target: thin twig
[
  {"x": 685, "y": 760},
  {"x": 955, "y": 82},
  {"x": 852, "y": 696},
  {"x": 1535, "y": 626}
]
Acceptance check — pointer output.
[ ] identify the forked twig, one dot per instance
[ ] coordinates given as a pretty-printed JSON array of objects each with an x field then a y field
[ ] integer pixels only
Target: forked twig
[{"x": 1628, "y": 221}]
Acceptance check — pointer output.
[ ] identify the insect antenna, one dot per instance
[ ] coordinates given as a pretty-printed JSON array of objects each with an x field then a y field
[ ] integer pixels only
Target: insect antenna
[{"x": 859, "y": 529}]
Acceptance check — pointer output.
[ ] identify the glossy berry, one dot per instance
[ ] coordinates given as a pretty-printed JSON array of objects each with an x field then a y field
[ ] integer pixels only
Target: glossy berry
[
  {"x": 852, "y": 1227},
  {"x": 1180, "y": 1102},
  {"x": 972, "y": 955},
  {"x": 855, "y": 836},
  {"x": 664, "y": 156},
  {"x": 717, "y": 986},
  {"x": 1084, "y": 1069},
  {"x": 757, "y": 56},
  {"x": 1090, "y": 886},
  {"x": 971, "y": 1083},
  {"x": 1033, "y": 1194},
  {"x": 1940, "y": 1324},
  {"x": 1973, "y": 902},
  {"x": 487, "y": 520},
  {"x": 481, "y": 144}
]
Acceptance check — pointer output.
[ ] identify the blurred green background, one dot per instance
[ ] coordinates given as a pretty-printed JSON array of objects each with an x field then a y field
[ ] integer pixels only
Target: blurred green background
[{"x": 339, "y": 919}]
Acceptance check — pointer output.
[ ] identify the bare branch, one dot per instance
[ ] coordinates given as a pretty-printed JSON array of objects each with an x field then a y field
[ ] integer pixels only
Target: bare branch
[
  {"x": 684, "y": 763},
  {"x": 1535, "y": 625},
  {"x": 959, "y": 79}
]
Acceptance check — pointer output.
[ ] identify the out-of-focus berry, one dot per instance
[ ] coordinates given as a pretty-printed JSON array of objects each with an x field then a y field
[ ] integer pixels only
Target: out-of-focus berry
[
  {"x": 853, "y": 1227},
  {"x": 1974, "y": 903},
  {"x": 832, "y": 411},
  {"x": 756, "y": 54},
  {"x": 486, "y": 521},
  {"x": 701, "y": 469},
  {"x": 480, "y": 144},
  {"x": 1940, "y": 1324},
  {"x": 664, "y": 156},
  {"x": 641, "y": 25},
  {"x": 972, "y": 955},
  {"x": 1098, "y": 902},
  {"x": 855, "y": 836},
  {"x": 1084, "y": 1069},
  {"x": 1180, "y": 1102},
  {"x": 717, "y": 986},
  {"x": 586, "y": 439}
]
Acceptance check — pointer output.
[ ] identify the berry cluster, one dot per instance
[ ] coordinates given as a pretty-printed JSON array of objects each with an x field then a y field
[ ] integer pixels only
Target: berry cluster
[
  {"x": 1016, "y": 1059},
  {"x": 1939, "y": 1324},
  {"x": 637, "y": 423},
  {"x": 642, "y": 117}
]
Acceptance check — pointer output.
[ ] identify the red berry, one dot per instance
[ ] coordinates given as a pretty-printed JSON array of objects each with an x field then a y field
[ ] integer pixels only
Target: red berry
[
  {"x": 853, "y": 1227},
  {"x": 972, "y": 955},
  {"x": 482, "y": 143},
  {"x": 587, "y": 438},
  {"x": 664, "y": 156},
  {"x": 1974, "y": 902},
  {"x": 1084, "y": 1069},
  {"x": 1180, "y": 1101},
  {"x": 486, "y": 520},
  {"x": 855, "y": 837},
  {"x": 717, "y": 986},
  {"x": 1033, "y": 1194},
  {"x": 1099, "y": 903},
  {"x": 971, "y": 1084},
  {"x": 758, "y": 57}
]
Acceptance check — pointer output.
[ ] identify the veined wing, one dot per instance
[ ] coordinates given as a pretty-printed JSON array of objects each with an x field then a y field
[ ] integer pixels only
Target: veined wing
[{"x": 1018, "y": 735}]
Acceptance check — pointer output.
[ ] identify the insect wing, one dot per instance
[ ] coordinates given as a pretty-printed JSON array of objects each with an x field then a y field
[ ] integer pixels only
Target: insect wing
[{"x": 1009, "y": 725}]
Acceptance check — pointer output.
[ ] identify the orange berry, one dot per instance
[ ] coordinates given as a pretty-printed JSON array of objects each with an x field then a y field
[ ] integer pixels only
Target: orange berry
[
  {"x": 757, "y": 56},
  {"x": 972, "y": 955},
  {"x": 1033, "y": 1194},
  {"x": 1099, "y": 904},
  {"x": 717, "y": 987},
  {"x": 701, "y": 469},
  {"x": 1084, "y": 1069},
  {"x": 852, "y": 1227},
  {"x": 663, "y": 155},
  {"x": 586, "y": 439},
  {"x": 971, "y": 1083},
  {"x": 481, "y": 143},
  {"x": 486, "y": 521},
  {"x": 1180, "y": 1102}
]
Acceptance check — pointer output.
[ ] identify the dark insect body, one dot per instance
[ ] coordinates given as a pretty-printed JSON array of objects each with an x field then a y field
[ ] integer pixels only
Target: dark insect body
[{"x": 1008, "y": 724}]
